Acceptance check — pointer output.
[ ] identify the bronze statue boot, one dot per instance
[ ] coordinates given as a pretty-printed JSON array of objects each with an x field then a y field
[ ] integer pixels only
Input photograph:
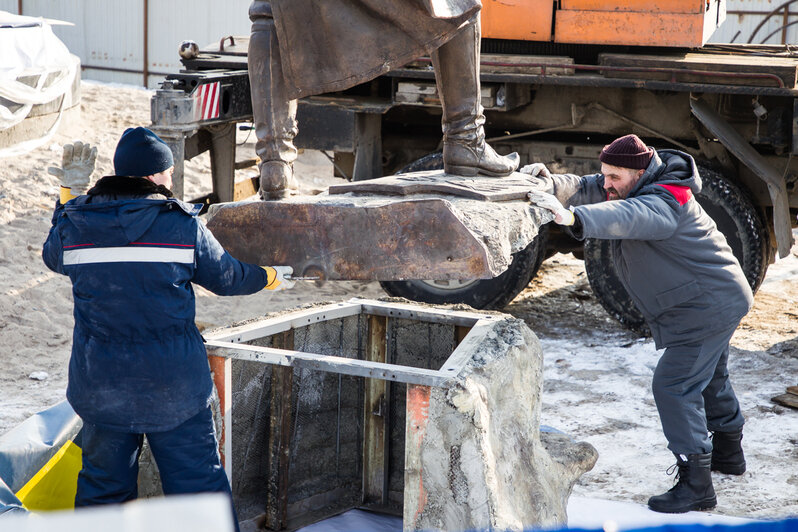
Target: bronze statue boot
[
  {"x": 274, "y": 114},
  {"x": 465, "y": 151},
  {"x": 276, "y": 180}
]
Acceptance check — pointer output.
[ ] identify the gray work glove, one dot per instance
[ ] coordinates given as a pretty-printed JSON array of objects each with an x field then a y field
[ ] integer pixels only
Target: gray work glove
[
  {"x": 549, "y": 202},
  {"x": 535, "y": 170},
  {"x": 77, "y": 164}
]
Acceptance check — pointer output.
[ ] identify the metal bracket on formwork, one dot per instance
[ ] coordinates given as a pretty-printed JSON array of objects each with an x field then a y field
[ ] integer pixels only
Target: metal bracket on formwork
[{"x": 426, "y": 225}]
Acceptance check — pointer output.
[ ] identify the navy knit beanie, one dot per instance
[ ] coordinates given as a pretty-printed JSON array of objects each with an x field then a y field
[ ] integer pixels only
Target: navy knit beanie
[
  {"x": 141, "y": 153},
  {"x": 627, "y": 152}
]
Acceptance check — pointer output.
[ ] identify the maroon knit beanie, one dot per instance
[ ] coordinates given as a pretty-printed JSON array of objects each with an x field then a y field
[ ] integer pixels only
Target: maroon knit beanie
[{"x": 627, "y": 152}]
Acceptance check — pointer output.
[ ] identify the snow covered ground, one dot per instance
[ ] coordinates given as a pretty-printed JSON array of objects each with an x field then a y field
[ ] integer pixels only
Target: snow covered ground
[{"x": 597, "y": 374}]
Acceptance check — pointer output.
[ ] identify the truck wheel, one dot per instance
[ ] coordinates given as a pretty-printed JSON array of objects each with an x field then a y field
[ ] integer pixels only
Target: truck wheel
[
  {"x": 735, "y": 216},
  {"x": 479, "y": 293}
]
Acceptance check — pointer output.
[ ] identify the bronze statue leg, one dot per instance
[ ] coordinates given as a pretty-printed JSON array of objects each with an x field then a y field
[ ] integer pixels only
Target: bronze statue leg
[
  {"x": 274, "y": 113},
  {"x": 465, "y": 151}
]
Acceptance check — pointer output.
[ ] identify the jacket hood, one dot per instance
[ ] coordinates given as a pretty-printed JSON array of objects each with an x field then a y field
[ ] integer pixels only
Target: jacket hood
[
  {"x": 669, "y": 167},
  {"x": 118, "y": 210}
]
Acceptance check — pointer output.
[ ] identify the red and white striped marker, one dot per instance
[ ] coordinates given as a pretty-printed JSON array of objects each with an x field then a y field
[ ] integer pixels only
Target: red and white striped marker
[{"x": 206, "y": 101}]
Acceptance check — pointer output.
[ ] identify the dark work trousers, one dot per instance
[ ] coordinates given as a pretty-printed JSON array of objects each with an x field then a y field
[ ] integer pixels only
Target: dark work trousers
[
  {"x": 187, "y": 458},
  {"x": 693, "y": 393}
]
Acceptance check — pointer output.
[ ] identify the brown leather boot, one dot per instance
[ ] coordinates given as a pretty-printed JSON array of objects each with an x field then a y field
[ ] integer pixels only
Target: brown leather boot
[
  {"x": 465, "y": 151},
  {"x": 274, "y": 114}
]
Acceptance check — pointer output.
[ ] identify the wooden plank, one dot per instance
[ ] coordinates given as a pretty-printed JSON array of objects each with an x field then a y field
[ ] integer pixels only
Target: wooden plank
[
  {"x": 643, "y": 6},
  {"x": 526, "y": 64},
  {"x": 222, "y": 372},
  {"x": 416, "y": 421},
  {"x": 756, "y": 67},
  {"x": 375, "y": 418},
  {"x": 630, "y": 29},
  {"x": 332, "y": 364},
  {"x": 786, "y": 399},
  {"x": 460, "y": 333},
  {"x": 282, "y": 379}
]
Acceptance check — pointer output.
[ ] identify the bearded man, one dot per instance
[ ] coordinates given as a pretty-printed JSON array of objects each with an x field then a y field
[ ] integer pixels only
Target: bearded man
[{"x": 682, "y": 275}]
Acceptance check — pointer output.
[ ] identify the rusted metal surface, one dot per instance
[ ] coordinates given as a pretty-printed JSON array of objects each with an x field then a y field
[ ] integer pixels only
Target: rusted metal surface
[
  {"x": 279, "y": 438},
  {"x": 420, "y": 239},
  {"x": 375, "y": 419},
  {"x": 222, "y": 372},
  {"x": 416, "y": 420}
]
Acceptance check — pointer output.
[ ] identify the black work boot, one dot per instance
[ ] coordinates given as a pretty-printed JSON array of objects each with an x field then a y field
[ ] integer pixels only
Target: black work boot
[
  {"x": 693, "y": 491},
  {"x": 727, "y": 452}
]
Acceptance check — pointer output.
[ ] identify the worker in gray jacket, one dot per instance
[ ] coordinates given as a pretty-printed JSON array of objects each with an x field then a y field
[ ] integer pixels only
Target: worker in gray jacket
[{"x": 680, "y": 272}]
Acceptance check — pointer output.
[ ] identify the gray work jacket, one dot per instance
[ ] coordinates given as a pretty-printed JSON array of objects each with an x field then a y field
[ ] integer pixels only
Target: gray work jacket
[{"x": 668, "y": 253}]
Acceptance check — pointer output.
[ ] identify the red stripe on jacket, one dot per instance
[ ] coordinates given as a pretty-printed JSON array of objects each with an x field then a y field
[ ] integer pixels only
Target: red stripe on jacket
[{"x": 681, "y": 193}]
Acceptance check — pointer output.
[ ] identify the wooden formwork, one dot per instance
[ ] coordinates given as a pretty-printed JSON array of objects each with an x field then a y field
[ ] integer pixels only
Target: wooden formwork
[{"x": 468, "y": 330}]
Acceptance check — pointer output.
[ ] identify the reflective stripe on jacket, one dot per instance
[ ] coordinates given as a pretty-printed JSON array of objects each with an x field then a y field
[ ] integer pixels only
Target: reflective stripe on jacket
[{"x": 138, "y": 361}]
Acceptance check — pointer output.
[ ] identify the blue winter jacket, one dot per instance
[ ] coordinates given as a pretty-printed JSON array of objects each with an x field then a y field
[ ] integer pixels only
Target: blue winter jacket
[{"x": 138, "y": 361}]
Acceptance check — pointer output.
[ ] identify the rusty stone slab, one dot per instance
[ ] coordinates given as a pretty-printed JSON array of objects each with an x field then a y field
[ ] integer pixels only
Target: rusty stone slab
[
  {"x": 352, "y": 240},
  {"x": 510, "y": 188}
]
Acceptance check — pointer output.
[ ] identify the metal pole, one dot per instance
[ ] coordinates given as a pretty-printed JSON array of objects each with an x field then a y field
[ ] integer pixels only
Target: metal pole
[
  {"x": 19, "y": 7},
  {"x": 785, "y": 23},
  {"x": 146, "y": 70}
]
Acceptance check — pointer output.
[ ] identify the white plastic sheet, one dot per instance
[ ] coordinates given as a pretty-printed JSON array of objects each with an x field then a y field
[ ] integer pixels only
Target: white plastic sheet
[{"x": 30, "y": 48}]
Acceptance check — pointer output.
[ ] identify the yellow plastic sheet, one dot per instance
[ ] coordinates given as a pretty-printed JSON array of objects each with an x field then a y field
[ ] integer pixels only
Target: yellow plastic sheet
[{"x": 53, "y": 487}]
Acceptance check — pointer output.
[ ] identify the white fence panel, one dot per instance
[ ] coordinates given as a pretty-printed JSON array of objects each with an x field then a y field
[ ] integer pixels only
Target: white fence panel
[
  {"x": 109, "y": 35},
  {"x": 743, "y": 17}
]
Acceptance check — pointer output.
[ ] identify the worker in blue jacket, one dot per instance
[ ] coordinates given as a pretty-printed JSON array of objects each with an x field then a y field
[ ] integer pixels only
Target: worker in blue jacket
[
  {"x": 138, "y": 363},
  {"x": 683, "y": 277}
]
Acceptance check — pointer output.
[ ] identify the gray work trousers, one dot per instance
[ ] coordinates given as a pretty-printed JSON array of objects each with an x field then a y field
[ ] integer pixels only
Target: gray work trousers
[{"x": 693, "y": 393}]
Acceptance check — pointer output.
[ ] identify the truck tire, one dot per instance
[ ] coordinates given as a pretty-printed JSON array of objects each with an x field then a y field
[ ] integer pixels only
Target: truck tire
[
  {"x": 479, "y": 293},
  {"x": 735, "y": 216}
]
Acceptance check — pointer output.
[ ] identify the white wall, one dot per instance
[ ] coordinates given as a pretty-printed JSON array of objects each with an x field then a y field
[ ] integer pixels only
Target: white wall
[
  {"x": 109, "y": 34},
  {"x": 738, "y": 27}
]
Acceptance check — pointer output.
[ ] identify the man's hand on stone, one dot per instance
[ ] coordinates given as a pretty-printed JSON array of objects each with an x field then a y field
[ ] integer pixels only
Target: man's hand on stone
[
  {"x": 535, "y": 170},
  {"x": 562, "y": 216},
  {"x": 77, "y": 165}
]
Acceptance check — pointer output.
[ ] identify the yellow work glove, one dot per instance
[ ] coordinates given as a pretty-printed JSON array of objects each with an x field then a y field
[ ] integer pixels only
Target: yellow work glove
[
  {"x": 77, "y": 165},
  {"x": 278, "y": 277}
]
